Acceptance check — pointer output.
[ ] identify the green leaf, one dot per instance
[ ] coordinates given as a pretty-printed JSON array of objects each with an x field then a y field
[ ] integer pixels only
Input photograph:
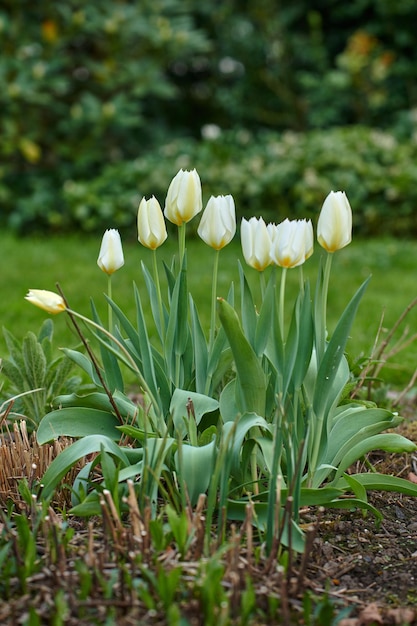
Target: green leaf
[
  {"x": 200, "y": 405},
  {"x": 199, "y": 348},
  {"x": 77, "y": 422},
  {"x": 74, "y": 453},
  {"x": 326, "y": 391},
  {"x": 98, "y": 400},
  {"x": 380, "y": 482},
  {"x": 195, "y": 467},
  {"x": 248, "y": 310},
  {"x": 113, "y": 375},
  {"x": 251, "y": 378},
  {"x": 390, "y": 442}
]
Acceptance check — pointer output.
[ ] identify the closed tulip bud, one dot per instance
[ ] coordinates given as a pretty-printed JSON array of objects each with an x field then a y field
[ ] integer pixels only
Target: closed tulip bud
[
  {"x": 309, "y": 238},
  {"x": 152, "y": 231},
  {"x": 218, "y": 223},
  {"x": 110, "y": 257},
  {"x": 334, "y": 228},
  {"x": 46, "y": 300},
  {"x": 289, "y": 243},
  {"x": 184, "y": 197},
  {"x": 256, "y": 243}
]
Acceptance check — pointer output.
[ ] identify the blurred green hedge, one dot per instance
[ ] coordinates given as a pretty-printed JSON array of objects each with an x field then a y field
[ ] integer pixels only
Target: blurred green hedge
[
  {"x": 269, "y": 174},
  {"x": 103, "y": 102}
]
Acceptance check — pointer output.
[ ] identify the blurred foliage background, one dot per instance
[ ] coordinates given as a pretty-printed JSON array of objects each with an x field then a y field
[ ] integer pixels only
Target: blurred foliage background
[{"x": 274, "y": 101}]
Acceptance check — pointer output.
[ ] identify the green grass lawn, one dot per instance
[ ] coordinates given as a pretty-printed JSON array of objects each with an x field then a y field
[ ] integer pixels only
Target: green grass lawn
[{"x": 40, "y": 262}]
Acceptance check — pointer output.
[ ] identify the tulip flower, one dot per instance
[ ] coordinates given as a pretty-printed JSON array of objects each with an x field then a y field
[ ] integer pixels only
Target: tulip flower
[
  {"x": 256, "y": 243},
  {"x": 110, "y": 257},
  {"x": 152, "y": 231},
  {"x": 184, "y": 197},
  {"x": 218, "y": 223},
  {"x": 289, "y": 243},
  {"x": 334, "y": 228},
  {"x": 46, "y": 300}
]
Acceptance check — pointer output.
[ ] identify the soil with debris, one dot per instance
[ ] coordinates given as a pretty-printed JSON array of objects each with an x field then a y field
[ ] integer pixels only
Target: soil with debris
[{"x": 365, "y": 567}]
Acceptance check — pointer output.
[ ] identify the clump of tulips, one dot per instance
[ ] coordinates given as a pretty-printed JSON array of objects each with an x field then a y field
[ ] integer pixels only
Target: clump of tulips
[{"x": 250, "y": 411}]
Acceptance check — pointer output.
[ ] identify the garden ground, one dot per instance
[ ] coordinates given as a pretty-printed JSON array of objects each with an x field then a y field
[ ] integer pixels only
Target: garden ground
[{"x": 358, "y": 572}]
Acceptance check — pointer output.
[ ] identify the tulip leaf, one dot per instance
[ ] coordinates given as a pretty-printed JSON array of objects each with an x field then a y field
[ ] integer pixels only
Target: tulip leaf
[
  {"x": 200, "y": 349},
  {"x": 195, "y": 467},
  {"x": 190, "y": 405},
  {"x": 74, "y": 453},
  {"x": 77, "y": 422},
  {"x": 380, "y": 482},
  {"x": 248, "y": 310},
  {"x": 390, "y": 442},
  {"x": 251, "y": 378},
  {"x": 326, "y": 392},
  {"x": 113, "y": 375}
]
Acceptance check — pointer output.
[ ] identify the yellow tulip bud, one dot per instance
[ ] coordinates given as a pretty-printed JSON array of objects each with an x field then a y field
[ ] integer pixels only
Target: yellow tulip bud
[
  {"x": 218, "y": 223},
  {"x": 184, "y": 197},
  {"x": 110, "y": 257},
  {"x": 334, "y": 228},
  {"x": 152, "y": 231},
  {"x": 46, "y": 300},
  {"x": 256, "y": 243}
]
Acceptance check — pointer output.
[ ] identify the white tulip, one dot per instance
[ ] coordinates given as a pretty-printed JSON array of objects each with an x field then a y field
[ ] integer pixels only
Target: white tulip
[
  {"x": 184, "y": 197},
  {"x": 334, "y": 228},
  {"x": 111, "y": 257},
  {"x": 152, "y": 231},
  {"x": 256, "y": 243},
  {"x": 218, "y": 223}
]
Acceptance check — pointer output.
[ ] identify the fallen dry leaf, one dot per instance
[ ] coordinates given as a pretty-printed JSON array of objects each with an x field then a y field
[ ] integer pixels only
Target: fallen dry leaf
[{"x": 370, "y": 615}]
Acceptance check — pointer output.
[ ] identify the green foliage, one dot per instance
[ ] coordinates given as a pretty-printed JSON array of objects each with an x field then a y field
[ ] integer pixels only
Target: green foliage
[
  {"x": 271, "y": 174},
  {"x": 35, "y": 374},
  {"x": 92, "y": 92}
]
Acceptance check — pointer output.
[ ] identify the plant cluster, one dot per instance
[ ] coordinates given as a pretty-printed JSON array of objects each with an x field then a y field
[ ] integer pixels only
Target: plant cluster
[{"x": 255, "y": 413}]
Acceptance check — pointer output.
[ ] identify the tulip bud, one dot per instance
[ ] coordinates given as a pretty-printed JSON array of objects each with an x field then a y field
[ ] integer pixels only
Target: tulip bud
[
  {"x": 218, "y": 223},
  {"x": 334, "y": 228},
  {"x": 184, "y": 197},
  {"x": 46, "y": 300},
  {"x": 256, "y": 243},
  {"x": 289, "y": 243},
  {"x": 110, "y": 257},
  {"x": 152, "y": 231}
]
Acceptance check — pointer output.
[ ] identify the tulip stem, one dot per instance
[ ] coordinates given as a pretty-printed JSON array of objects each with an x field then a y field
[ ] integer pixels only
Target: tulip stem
[
  {"x": 322, "y": 327},
  {"x": 262, "y": 283},
  {"x": 282, "y": 301},
  {"x": 181, "y": 242},
  {"x": 158, "y": 293},
  {"x": 110, "y": 310},
  {"x": 214, "y": 298}
]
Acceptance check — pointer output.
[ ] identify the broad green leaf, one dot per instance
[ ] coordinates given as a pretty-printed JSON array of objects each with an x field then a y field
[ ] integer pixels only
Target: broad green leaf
[
  {"x": 199, "y": 348},
  {"x": 235, "y": 433},
  {"x": 183, "y": 402},
  {"x": 329, "y": 368},
  {"x": 228, "y": 407},
  {"x": 251, "y": 377},
  {"x": 390, "y": 442},
  {"x": 248, "y": 310},
  {"x": 77, "y": 422},
  {"x": 84, "y": 363},
  {"x": 74, "y": 453},
  {"x": 195, "y": 466},
  {"x": 353, "y": 503},
  {"x": 380, "y": 482},
  {"x": 113, "y": 375},
  {"x": 266, "y": 314},
  {"x": 98, "y": 400}
]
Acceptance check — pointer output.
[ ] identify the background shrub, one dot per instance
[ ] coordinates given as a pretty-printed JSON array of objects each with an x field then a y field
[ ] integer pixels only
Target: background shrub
[{"x": 127, "y": 88}]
